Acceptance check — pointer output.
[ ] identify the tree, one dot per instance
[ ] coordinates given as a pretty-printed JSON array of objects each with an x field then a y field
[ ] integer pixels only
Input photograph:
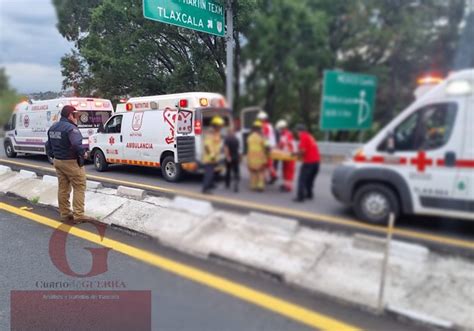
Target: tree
[
  {"x": 8, "y": 97},
  {"x": 290, "y": 43},
  {"x": 287, "y": 50}
]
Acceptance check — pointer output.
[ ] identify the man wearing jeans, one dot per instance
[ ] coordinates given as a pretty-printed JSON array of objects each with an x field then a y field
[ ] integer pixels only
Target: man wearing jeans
[
  {"x": 65, "y": 146},
  {"x": 309, "y": 152}
]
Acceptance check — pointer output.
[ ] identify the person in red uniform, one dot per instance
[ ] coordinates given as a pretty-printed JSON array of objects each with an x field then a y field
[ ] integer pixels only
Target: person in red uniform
[
  {"x": 309, "y": 152},
  {"x": 269, "y": 135},
  {"x": 286, "y": 144}
]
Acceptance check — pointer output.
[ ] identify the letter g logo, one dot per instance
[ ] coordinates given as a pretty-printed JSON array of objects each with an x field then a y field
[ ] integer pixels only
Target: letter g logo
[{"x": 57, "y": 252}]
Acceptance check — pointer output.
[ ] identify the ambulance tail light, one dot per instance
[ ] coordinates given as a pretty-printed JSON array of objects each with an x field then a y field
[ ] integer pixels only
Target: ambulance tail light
[
  {"x": 197, "y": 127},
  {"x": 98, "y": 104},
  {"x": 204, "y": 102},
  {"x": 183, "y": 103},
  {"x": 129, "y": 107}
]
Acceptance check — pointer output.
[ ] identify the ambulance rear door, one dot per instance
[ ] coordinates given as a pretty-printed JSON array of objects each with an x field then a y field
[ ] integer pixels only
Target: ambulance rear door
[{"x": 185, "y": 138}]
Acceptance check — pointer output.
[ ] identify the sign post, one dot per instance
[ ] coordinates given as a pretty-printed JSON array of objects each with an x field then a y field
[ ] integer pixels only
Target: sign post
[
  {"x": 348, "y": 101},
  {"x": 230, "y": 55}
]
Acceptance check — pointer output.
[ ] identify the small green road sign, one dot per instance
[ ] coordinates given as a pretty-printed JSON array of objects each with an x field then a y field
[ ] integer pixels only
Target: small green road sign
[
  {"x": 200, "y": 15},
  {"x": 348, "y": 101}
]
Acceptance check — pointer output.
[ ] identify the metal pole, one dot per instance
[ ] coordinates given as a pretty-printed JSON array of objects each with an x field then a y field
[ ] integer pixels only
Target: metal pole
[
  {"x": 391, "y": 223},
  {"x": 230, "y": 54}
]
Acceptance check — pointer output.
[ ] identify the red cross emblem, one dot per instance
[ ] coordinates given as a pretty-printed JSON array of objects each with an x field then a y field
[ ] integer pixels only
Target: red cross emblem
[
  {"x": 421, "y": 161},
  {"x": 111, "y": 140}
]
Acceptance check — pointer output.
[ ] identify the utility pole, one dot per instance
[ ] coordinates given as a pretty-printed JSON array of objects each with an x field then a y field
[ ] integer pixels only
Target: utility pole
[{"x": 230, "y": 55}]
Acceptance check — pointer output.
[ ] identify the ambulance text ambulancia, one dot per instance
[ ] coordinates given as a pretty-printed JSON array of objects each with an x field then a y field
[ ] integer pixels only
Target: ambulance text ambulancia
[
  {"x": 159, "y": 131},
  {"x": 26, "y": 131},
  {"x": 420, "y": 163}
]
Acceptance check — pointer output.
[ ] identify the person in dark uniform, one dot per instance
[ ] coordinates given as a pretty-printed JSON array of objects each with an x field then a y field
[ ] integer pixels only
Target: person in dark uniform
[
  {"x": 65, "y": 146},
  {"x": 232, "y": 160}
]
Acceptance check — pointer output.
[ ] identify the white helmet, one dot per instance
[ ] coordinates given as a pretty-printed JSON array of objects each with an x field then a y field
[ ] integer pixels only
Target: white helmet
[
  {"x": 262, "y": 116},
  {"x": 281, "y": 124}
]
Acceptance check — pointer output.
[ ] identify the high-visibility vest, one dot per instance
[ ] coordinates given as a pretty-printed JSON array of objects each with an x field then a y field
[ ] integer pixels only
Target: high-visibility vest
[
  {"x": 212, "y": 148},
  {"x": 257, "y": 151}
]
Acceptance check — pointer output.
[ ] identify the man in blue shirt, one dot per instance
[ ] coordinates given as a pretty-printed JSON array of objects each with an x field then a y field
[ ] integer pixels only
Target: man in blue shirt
[{"x": 65, "y": 146}]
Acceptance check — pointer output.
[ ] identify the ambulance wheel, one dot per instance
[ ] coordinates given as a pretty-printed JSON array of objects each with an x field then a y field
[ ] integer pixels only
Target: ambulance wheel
[
  {"x": 373, "y": 203},
  {"x": 170, "y": 170},
  {"x": 100, "y": 163},
  {"x": 9, "y": 151}
]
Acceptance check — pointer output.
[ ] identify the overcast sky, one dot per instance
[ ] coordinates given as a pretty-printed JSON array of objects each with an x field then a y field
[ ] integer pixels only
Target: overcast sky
[{"x": 30, "y": 45}]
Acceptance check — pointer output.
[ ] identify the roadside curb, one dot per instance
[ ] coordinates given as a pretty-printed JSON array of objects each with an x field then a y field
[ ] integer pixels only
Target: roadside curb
[{"x": 419, "y": 318}]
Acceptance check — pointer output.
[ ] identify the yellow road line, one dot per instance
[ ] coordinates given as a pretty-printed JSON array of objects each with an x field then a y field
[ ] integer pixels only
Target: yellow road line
[
  {"x": 314, "y": 217},
  {"x": 269, "y": 302}
]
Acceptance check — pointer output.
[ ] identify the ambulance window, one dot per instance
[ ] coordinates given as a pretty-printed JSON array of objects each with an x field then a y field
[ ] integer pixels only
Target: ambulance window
[
  {"x": 12, "y": 123},
  {"x": 436, "y": 125},
  {"x": 114, "y": 125},
  {"x": 428, "y": 128},
  {"x": 405, "y": 133}
]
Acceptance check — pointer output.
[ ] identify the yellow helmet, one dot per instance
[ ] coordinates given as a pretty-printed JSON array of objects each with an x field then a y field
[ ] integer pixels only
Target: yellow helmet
[
  {"x": 217, "y": 121},
  {"x": 257, "y": 124}
]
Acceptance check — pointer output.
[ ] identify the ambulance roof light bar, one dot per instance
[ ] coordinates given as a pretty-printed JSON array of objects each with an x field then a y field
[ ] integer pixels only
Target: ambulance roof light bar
[{"x": 429, "y": 80}]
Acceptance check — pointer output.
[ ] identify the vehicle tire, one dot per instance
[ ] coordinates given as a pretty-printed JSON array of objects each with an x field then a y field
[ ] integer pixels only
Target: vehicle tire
[
  {"x": 9, "y": 151},
  {"x": 373, "y": 203},
  {"x": 171, "y": 171},
  {"x": 50, "y": 159},
  {"x": 100, "y": 163}
]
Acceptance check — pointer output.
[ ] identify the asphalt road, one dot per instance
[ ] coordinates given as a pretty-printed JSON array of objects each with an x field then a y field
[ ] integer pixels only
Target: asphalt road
[
  {"x": 324, "y": 202},
  {"x": 30, "y": 284}
]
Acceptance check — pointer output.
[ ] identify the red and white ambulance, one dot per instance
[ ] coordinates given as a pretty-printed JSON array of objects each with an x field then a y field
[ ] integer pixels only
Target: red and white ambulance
[
  {"x": 420, "y": 163},
  {"x": 26, "y": 131},
  {"x": 159, "y": 131}
]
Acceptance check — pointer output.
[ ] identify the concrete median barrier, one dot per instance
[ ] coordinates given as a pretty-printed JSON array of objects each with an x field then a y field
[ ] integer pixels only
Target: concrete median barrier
[
  {"x": 4, "y": 170},
  {"x": 130, "y": 192},
  {"x": 28, "y": 174}
]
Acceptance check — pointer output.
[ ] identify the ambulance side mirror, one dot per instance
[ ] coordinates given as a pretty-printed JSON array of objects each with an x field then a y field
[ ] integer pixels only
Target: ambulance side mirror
[
  {"x": 6, "y": 127},
  {"x": 101, "y": 128},
  {"x": 390, "y": 142}
]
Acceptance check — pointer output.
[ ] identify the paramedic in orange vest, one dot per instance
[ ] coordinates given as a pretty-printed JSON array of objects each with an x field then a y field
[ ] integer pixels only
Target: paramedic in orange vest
[
  {"x": 257, "y": 157},
  {"x": 308, "y": 151},
  {"x": 286, "y": 144},
  {"x": 269, "y": 135}
]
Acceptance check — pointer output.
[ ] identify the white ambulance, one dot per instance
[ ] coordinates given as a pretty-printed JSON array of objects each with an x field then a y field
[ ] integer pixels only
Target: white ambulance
[
  {"x": 159, "y": 131},
  {"x": 420, "y": 163},
  {"x": 26, "y": 131}
]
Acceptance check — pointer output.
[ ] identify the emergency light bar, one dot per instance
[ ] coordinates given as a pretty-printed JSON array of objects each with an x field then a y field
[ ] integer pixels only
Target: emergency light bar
[{"x": 429, "y": 80}]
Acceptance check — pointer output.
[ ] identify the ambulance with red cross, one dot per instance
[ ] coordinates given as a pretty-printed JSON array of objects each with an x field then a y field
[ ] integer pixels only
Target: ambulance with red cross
[
  {"x": 163, "y": 131},
  {"x": 26, "y": 130},
  {"x": 422, "y": 162}
]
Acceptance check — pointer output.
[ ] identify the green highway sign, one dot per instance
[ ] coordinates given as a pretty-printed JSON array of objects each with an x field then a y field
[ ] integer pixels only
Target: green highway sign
[
  {"x": 348, "y": 101},
  {"x": 200, "y": 15}
]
